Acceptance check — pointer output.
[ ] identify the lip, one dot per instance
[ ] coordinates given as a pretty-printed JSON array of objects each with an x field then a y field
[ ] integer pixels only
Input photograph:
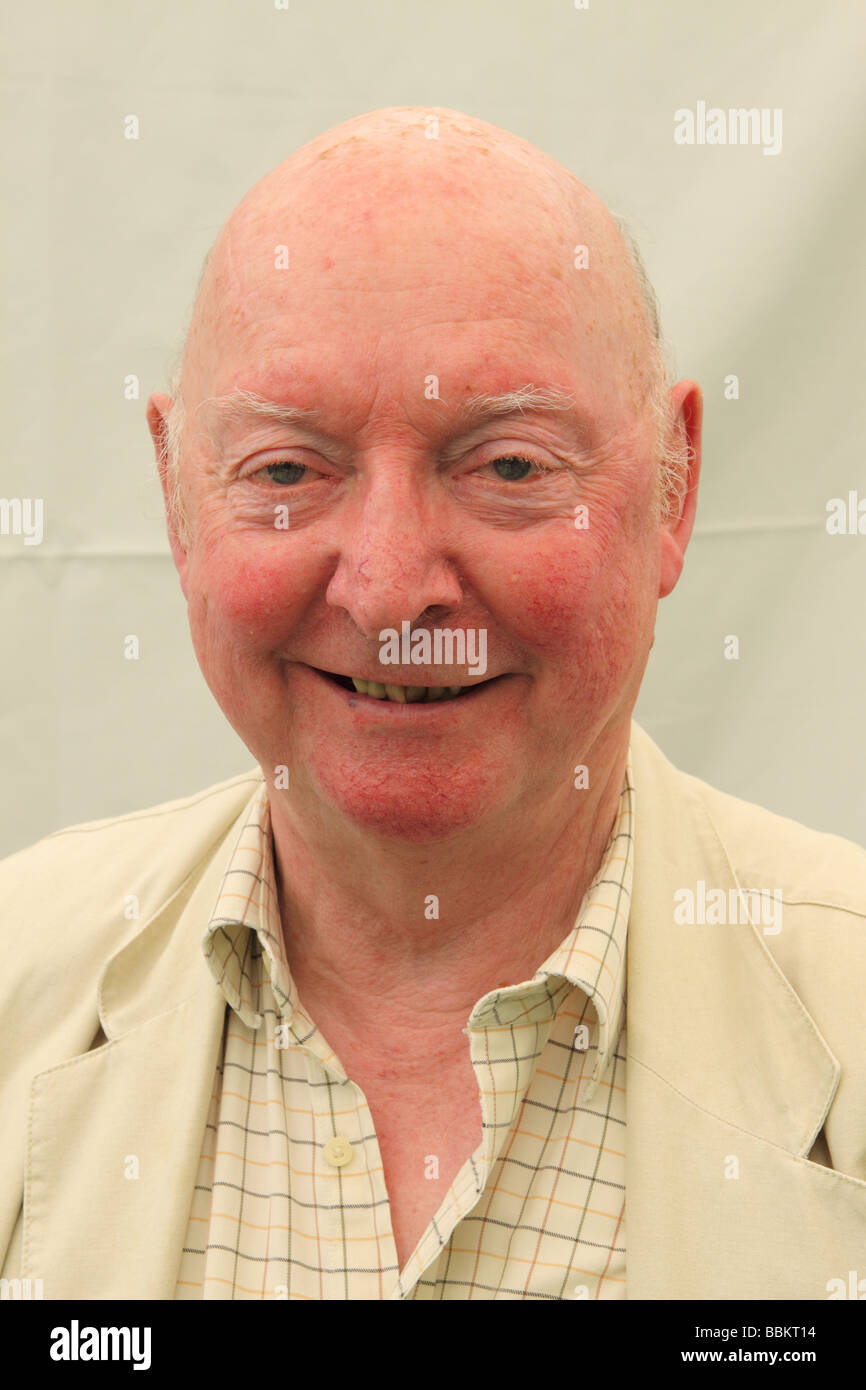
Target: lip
[{"x": 420, "y": 709}]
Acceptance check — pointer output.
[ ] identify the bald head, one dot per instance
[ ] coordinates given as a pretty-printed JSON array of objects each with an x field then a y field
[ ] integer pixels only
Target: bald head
[{"x": 382, "y": 219}]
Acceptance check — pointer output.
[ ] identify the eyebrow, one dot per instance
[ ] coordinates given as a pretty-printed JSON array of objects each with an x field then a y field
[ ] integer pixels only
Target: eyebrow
[{"x": 239, "y": 405}]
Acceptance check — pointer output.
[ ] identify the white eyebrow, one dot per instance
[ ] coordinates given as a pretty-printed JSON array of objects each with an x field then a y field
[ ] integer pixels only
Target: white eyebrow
[
  {"x": 470, "y": 413},
  {"x": 236, "y": 404},
  {"x": 474, "y": 409},
  {"x": 528, "y": 397}
]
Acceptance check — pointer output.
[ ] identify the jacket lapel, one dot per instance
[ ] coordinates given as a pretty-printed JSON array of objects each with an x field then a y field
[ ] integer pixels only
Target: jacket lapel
[
  {"x": 728, "y": 1083},
  {"x": 115, "y": 1134}
]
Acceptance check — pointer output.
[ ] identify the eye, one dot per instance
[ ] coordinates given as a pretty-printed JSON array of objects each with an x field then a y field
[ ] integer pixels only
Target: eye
[
  {"x": 284, "y": 472},
  {"x": 513, "y": 468}
]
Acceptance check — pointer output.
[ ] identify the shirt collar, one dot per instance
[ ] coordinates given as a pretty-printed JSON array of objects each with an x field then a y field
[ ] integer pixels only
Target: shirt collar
[
  {"x": 592, "y": 957},
  {"x": 593, "y": 954},
  {"x": 244, "y": 945}
]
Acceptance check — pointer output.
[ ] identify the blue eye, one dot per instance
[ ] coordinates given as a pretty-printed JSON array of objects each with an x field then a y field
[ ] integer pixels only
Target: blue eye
[
  {"x": 513, "y": 467},
  {"x": 285, "y": 472}
]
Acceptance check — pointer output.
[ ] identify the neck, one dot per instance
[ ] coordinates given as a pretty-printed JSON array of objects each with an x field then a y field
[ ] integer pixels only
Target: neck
[{"x": 404, "y": 939}]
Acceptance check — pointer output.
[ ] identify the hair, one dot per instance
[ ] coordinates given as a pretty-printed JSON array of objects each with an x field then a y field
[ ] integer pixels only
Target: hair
[
  {"x": 670, "y": 445},
  {"x": 673, "y": 452}
]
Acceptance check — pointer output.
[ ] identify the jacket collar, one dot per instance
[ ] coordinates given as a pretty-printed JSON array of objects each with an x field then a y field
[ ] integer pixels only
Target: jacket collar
[
  {"x": 163, "y": 966},
  {"x": 708, "y": 1009}
]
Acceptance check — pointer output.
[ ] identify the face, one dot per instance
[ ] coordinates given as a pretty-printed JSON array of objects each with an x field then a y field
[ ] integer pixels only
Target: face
[{"x": 395, "y": 503}]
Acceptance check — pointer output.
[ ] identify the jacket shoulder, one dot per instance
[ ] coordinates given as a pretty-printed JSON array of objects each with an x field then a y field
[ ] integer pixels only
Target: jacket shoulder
[
  {"x": 103, "y": 878},
  {"x": 763, "y": 848},
  {"x": 769, "y": 850}
]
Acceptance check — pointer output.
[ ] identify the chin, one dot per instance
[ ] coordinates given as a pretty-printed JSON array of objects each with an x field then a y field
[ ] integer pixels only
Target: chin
[{"x": 410, "y": 810}]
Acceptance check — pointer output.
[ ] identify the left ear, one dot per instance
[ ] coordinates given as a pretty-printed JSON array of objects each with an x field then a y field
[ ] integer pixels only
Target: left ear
[{"x": 686, "y": 416}]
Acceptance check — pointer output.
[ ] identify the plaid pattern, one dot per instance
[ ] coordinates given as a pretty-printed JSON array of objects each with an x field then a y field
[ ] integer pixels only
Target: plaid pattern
[{"x": 290, "y": 1199}]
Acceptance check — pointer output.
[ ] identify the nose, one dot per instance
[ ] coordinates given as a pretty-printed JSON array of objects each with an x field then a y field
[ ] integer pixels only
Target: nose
[{"x": 395, "y": 563}]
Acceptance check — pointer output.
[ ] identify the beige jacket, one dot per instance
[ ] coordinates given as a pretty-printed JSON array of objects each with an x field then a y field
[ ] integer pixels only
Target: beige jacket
[{"x": 746, "y": 1048}]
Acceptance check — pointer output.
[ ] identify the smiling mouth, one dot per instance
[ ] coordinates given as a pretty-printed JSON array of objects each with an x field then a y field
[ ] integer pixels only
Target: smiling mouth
[{"x": 402, "y": 694}]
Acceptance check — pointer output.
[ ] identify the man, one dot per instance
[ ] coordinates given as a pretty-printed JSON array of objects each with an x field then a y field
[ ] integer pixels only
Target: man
[{"x": 367, "y": 1036}]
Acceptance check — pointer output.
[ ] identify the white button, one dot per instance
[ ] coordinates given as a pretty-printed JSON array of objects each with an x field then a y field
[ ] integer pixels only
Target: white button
[{"x": 338, "y": 1151}]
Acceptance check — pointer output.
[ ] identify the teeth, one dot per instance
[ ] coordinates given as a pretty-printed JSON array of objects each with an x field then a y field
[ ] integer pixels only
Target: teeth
[{"x": 405, "y": 694}]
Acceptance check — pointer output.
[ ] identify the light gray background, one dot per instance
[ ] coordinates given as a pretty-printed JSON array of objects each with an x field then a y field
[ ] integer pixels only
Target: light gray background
[{"x": 757, "y": 261}]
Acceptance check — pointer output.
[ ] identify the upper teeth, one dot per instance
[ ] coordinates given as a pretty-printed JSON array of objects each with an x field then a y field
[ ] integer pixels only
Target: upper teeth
[{"x": 405, "y": 694}]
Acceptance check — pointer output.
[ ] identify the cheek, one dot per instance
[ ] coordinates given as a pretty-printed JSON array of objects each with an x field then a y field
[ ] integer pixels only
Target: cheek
[
  {"x": 581, "y": 606},
  {"x": 248, "y": 591}
]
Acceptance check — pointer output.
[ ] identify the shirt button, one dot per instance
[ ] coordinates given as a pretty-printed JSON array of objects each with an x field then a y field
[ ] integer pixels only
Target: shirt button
[{"x": 338, "y": 1151}]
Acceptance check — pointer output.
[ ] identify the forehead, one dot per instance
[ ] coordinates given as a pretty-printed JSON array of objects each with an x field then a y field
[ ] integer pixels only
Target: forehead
[{"x": 430, "y": 268}]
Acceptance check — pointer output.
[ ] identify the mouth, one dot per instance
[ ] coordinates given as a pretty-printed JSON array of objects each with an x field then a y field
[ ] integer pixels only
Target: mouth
[{"x": 403, "y": 694}]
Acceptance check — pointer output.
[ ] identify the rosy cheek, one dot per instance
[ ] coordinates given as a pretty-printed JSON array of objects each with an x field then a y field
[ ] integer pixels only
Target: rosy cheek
[
  {"x": 573, "y": 605},
  {"x": 254, "y": 595},
  {"x": 549, "y": 599}
]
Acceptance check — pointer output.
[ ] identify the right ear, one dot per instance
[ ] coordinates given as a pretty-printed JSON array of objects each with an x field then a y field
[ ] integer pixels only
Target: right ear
[
  {"x": 158, "y": 408},
  {"x": 687, "y": 405}
]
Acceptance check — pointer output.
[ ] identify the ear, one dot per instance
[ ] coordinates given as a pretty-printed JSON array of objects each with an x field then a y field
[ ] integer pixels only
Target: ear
[
  {"x": 686, "y": 416},
  {"x": 157, "y": 415}
]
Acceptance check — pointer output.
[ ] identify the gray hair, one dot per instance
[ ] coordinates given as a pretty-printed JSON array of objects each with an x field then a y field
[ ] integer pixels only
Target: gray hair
[
  {"x": 673, "y": 453},
  {"x": 670, "y": 446}
]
